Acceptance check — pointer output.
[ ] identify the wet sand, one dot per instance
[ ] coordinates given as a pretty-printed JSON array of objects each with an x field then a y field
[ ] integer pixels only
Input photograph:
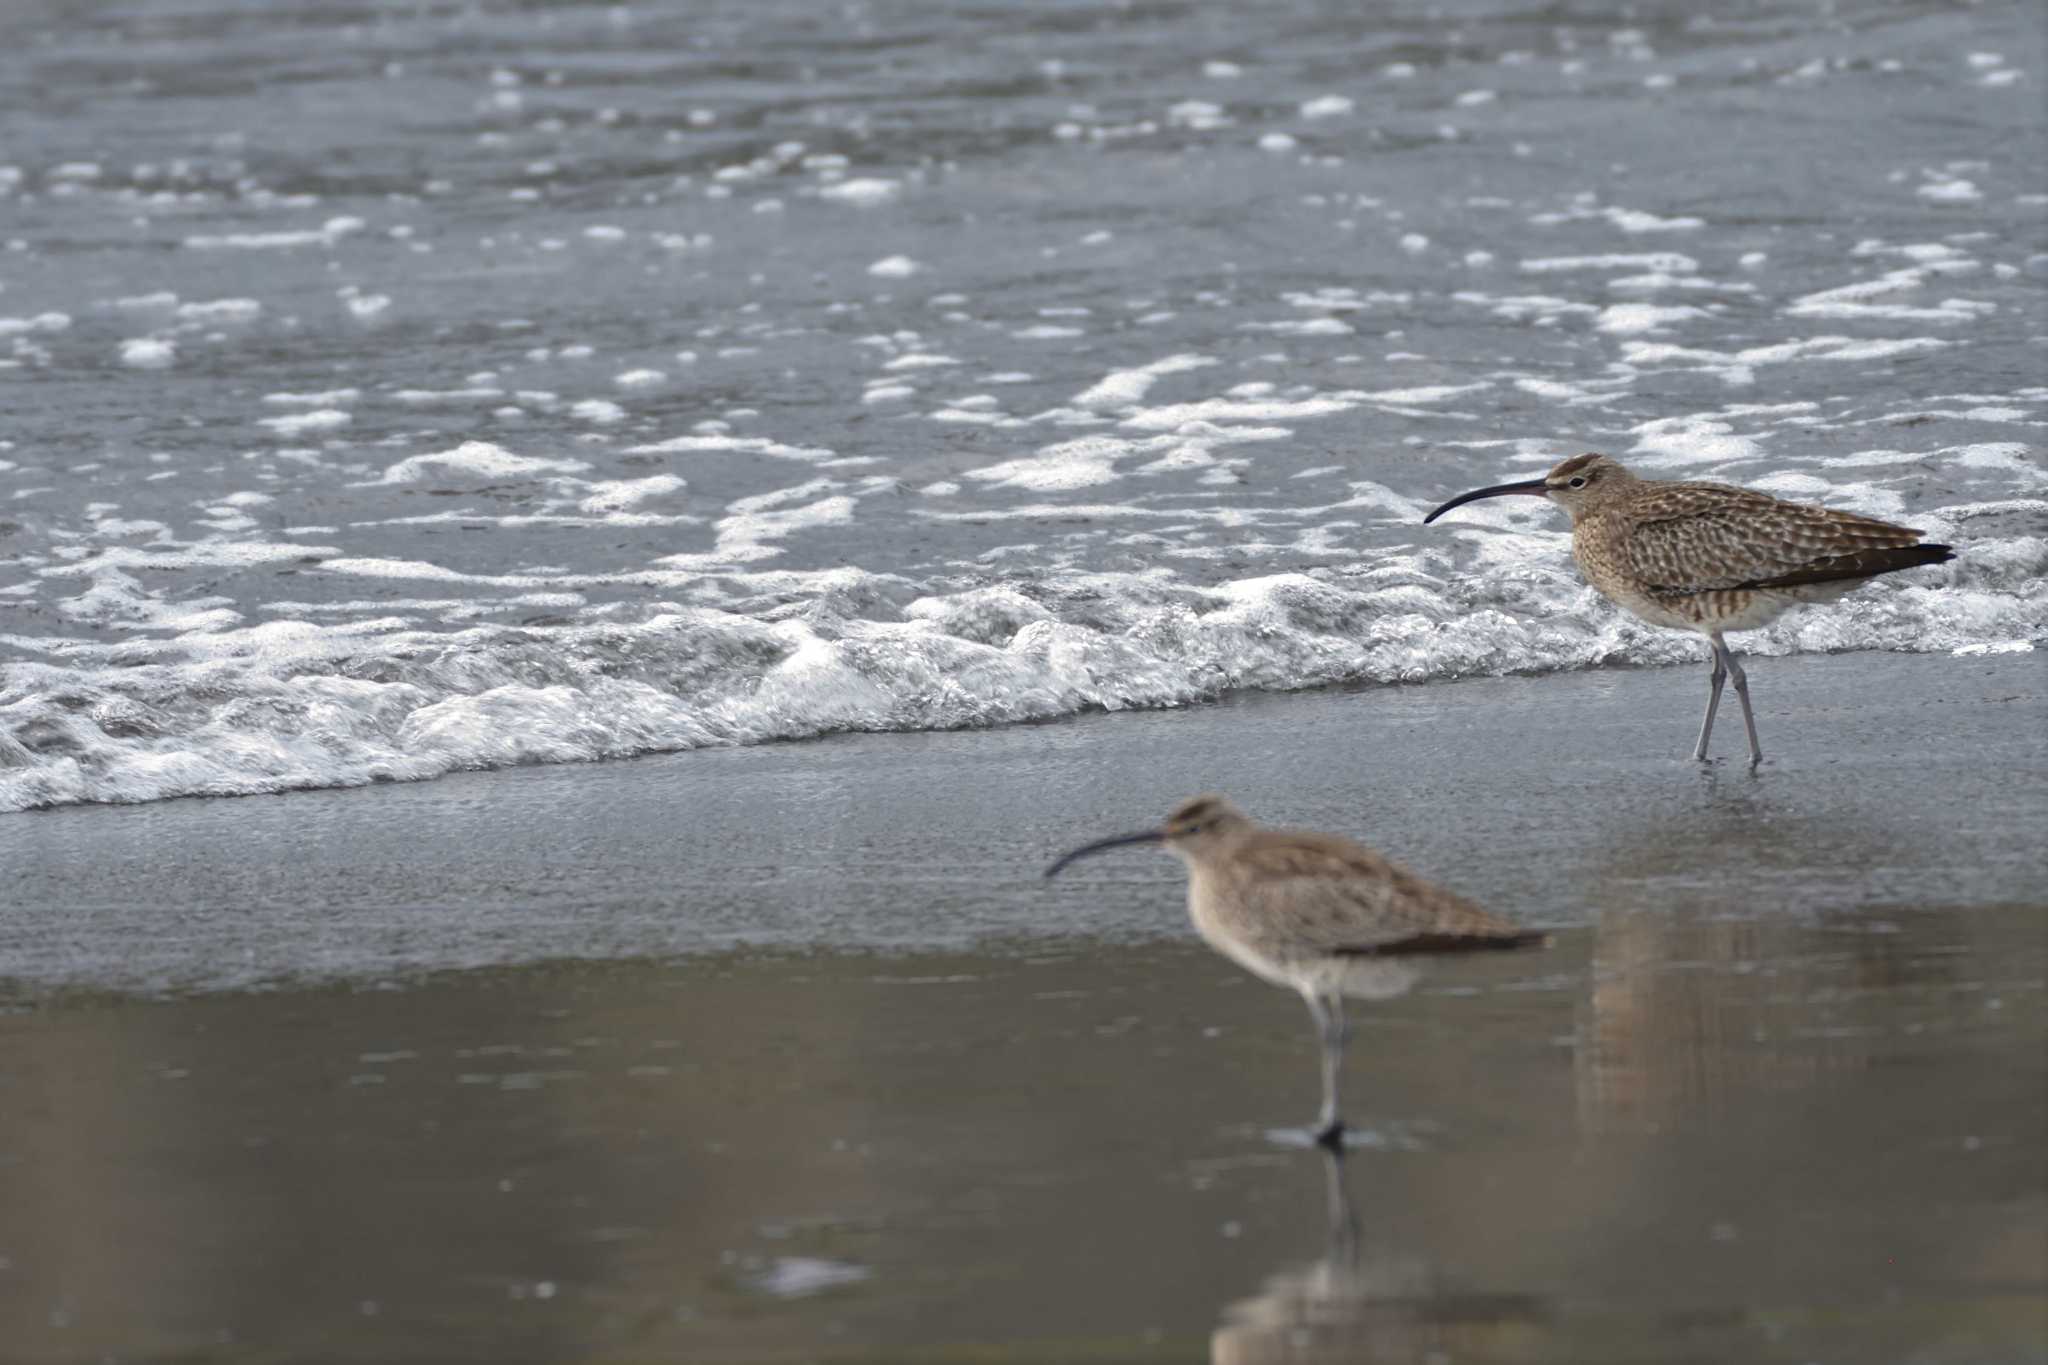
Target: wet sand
[{"x": 837, "y": 1077}]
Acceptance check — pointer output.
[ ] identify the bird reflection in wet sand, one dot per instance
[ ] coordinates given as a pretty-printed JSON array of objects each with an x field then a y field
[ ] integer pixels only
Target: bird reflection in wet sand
[
  {"x": 1315, "y": 913},
  {"x": 1361, "y": 1304}
]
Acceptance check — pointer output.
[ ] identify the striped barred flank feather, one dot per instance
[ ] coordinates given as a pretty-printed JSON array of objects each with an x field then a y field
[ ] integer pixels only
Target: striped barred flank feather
[
  {"x": 1698, "y": 537},
  {"x": 1861, "y": 564}
]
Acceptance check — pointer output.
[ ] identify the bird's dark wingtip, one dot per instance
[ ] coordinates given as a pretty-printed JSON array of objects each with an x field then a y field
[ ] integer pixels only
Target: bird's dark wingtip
[{"x": 1419, "y": 944}]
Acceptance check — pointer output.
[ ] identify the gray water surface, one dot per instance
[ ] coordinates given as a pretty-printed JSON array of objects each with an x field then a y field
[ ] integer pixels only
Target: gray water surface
[{"x": 398, "y": 389}]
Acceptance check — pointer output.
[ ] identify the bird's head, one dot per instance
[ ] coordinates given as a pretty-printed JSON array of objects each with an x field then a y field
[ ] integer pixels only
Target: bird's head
[
  {"x": 1578, "y": 485},
  {"x": 1196, "y": 827}
]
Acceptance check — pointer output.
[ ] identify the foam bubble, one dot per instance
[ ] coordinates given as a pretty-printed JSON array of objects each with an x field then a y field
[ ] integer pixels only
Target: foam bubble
[
  {"x": 862, "y": 191},
  {"x": 480, "y": 459},
  {"x": 306, "y": 423},
  {"x": 149, "y": 353},
  {"x": 895, "y": 267}
]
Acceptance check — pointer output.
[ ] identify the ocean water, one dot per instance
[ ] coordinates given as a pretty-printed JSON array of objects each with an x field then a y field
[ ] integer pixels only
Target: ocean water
[{"x": 399, "y": 388}]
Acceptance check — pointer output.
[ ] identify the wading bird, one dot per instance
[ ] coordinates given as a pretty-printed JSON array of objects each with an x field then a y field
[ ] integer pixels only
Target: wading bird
[
  {"x": 1710, "y": 557},
  {"x": 1315, "y": 913}
]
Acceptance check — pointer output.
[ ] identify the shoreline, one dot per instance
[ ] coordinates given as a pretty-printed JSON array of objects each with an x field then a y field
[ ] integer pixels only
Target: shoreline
[{"x": 1512, "y": 790}]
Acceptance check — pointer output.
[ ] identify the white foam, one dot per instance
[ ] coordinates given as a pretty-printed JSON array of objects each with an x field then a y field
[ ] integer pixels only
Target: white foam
[
  {"x": 306, "y": 423},
  {"x": 1636, "y": 220},
  {"x": 1637, "y": 319},
  {"x": 482, "y": 393},
  {"x": 1078, "y": 463},
  {"x": 1672, "y": 442},
  {"x": 1127, "y": 388},
  {"x": 1303, "y": 327},
  {"x": 220, "y": 310},
  {"x": 41, "y": 322},
  {"x": 327, "y": 234},
  {"x": 599, "y": 411},
  {"x": 1739, "y": 367},
  {"x": 743, "y": 535},
  {"x": 326, "y": 398},
  {"x": 1177, "y": 415},
  {"x": 1659, "y": 262},
  {"x": 149, "y": 353},
  {"x": 862, "y": 191},
  {"x": 479, "y": 458},
  {"x": 618, "y": 495},
  {"x": 681, "y": 679},
  {"x": 1199, "y": 115},
  {"x": 748, "y": 445},
  {"x": 1855, "y": 300},
  {"x": 1957, "y": 191},
  {"x": 895, "y": 267},
  {"x": 1519, "y": 307},
  {"x": 1428, "y": 393},
  {"x": 1327, "y": 106}
]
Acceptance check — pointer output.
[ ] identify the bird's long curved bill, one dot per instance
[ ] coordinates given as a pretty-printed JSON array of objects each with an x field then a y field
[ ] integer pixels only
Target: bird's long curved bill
[
  {"x": 1535, "y": 486},
  {"x": 1147, "y": 836}
]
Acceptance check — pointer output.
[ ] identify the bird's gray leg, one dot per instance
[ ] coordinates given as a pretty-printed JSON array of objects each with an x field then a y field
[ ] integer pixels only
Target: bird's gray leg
[
  {"x": 1329, "y": 1016},
  {"x": 1699, "y": 752},
  {"x": 1741, "y": 681}
]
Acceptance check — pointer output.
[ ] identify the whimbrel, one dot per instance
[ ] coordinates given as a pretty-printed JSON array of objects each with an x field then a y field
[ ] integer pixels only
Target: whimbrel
[
  {"x": 1711, "y": 557},
  {"x": 1312, "y": 912}
]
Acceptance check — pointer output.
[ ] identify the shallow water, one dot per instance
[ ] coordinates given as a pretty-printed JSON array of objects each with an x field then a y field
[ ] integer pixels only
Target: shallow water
[
  {"x": 395, "y": 389},
  {"x": 1672, "y": 1136}
]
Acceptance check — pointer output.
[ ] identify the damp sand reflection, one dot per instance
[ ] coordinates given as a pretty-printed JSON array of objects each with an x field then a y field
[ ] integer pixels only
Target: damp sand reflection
[{"x": 863, "y": 1158}]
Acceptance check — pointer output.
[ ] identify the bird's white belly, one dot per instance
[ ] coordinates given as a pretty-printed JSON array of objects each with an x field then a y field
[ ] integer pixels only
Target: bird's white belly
[{"x": 1218, "y": 936}]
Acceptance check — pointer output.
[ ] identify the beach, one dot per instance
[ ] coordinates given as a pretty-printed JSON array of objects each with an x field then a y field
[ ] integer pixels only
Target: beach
[
  {"x": 565, "y": 569},
  {"x": 787, "y": 1053}
]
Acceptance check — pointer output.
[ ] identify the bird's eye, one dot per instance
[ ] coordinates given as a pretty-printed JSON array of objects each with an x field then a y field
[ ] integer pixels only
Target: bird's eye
[{"x": 1578, "y": 480}]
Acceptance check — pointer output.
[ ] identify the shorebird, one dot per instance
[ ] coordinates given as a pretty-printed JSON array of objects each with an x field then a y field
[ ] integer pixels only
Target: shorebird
[
  {"x": 1711, "y": 557},
  {"x": 1314, "y": 913}
]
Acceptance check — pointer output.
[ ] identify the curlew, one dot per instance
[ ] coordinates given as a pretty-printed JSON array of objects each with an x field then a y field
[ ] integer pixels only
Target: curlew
[
  {"x": 1312, "y": 912},
  {"x": 1711, "y": 557}
]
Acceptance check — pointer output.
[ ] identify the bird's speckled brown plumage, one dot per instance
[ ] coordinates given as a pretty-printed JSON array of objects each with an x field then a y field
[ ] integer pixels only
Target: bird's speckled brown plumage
[
  {"x": 1289, "y": 903},
  {"x": 1287, "y": 895},
  {"x": 1316, "y": 913},
  {"x": 1711, "y": 557}
]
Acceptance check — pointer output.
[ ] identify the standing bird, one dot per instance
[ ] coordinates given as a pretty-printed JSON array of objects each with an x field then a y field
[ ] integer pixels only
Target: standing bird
[
  {"x": 1312, "y": 912},
  {"x": 1711, "y": 557}
]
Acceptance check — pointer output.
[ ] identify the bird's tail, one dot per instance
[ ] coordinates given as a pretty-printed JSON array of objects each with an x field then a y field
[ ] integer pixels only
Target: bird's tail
[{"x": 1860, "y": 564}]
